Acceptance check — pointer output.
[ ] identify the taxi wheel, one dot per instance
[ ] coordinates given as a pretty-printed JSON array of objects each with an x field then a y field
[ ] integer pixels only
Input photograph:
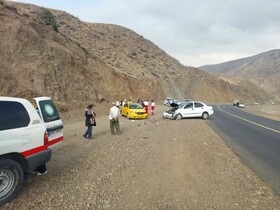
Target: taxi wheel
[{"x": 127, "y": 116}]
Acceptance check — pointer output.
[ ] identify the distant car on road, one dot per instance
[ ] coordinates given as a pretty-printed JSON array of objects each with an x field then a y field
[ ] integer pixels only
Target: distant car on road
[
  {"x": 235, "y": 102},
  {"x": 188, "y": 110},
  {"x": 241, "y": 105},
  {"x": 187, "y": 100}
]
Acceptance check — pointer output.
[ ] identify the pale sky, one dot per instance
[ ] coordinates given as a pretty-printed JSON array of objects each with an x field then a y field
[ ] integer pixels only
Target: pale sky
[{"x": 195, "y": 32}]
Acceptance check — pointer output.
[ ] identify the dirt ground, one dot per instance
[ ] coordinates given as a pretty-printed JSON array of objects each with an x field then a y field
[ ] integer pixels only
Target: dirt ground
[
  {"x": 155, "y": 164},
  {"x": 268, "y": 111}
]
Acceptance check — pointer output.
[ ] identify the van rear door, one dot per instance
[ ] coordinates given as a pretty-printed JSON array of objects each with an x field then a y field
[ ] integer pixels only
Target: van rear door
[{"x": 50, "y": 117}]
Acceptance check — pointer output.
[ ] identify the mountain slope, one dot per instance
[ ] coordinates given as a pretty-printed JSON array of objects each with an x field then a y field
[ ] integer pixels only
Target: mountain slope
[
  {"x": 262, "y": 69},
  {"x": 50, "y": 52}
]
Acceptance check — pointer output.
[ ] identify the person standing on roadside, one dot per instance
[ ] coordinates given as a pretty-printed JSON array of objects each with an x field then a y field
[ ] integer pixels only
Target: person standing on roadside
[
  {"x": 90, "y": 115},
  {"x": 117, "y": 103},
  {"x": 146, "y": 104},
  {"x": 114, "y": 119},
  {"x": 153, "y": 104}
]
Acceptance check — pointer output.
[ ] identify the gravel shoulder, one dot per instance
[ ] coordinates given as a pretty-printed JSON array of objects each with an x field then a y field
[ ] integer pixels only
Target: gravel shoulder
[
  {"x": 268, "y": 111},
  {"x": 154, "y": 164}
]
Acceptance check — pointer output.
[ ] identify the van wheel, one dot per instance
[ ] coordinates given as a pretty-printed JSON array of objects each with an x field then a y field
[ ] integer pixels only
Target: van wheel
[
  {"x": 205, "y": 115},
  {"x": 11, "y": 180},
  {"x": 178, "y": 117}
]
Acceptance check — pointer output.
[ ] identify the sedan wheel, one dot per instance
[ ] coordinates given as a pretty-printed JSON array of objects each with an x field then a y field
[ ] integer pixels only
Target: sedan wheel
[
  {"x": 178, "y": 117},
  {"x": 205, "y": 115}
]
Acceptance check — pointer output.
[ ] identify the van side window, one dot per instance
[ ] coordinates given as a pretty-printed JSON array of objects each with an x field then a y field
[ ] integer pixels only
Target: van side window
[
  {"x": 13, "y": 115},
  {"x": 49, "y": 111}
]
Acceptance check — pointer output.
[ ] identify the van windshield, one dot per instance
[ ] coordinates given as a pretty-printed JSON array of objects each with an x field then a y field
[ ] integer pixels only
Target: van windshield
[{"x": 49, "y": 111}]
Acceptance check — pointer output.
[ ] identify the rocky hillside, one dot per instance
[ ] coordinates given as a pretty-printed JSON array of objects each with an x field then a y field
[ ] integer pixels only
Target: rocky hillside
[
  {"x": 50, "y": 52},
  {"x": 262, "y": 69}
]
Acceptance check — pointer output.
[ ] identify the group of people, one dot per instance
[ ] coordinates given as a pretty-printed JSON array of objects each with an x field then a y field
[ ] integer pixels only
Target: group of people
[
  {"x": 114, "y": 114},
  {"x": 145, "y": 105}
]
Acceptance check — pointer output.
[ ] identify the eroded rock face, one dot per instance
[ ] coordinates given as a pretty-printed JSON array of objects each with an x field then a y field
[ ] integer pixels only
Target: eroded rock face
[{"x": 85, "y": 62}]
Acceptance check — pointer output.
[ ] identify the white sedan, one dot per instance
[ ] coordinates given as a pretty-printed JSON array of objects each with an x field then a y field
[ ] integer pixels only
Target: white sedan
[
  {"x": 241, "y": 105},
  {"x": 191, "y": 109}
]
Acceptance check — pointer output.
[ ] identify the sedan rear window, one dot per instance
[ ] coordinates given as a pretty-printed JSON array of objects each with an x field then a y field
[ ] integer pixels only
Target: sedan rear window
[{"x": 198, "y": 105}]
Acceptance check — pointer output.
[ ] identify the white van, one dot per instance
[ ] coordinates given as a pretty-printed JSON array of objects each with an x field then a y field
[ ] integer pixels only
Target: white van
[{"x": 27, "y": 135}]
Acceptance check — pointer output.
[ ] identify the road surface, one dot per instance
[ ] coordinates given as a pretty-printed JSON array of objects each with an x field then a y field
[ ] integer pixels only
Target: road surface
[{"x": 255, "y": 139}]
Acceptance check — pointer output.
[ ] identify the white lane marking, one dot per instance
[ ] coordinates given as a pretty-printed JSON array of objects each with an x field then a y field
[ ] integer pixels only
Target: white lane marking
[{"x": 277, "y": 131}]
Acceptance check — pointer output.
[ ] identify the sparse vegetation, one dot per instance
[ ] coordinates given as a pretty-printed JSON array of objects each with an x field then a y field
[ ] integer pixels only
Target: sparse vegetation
[
  {"x": 155, "y": 74},
  {"x": 13, "y": 9},
  {"x": 134, "y": 54},
  {"x": 25, "y": 14},
  {"x": 101, "y": 33},
  {"x": 143, "y": 50},
  {"x": 113, "y": 44},
  {"x": 47, "y": 18}
]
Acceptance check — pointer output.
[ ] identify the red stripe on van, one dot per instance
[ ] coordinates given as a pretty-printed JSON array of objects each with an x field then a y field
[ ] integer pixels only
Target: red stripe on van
[
  {"x": 52, "y": 142},
  {"x": 34, "y": 151}
]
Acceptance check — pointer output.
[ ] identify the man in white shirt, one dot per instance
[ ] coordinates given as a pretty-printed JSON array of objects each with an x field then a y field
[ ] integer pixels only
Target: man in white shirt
[
  {"x": 118, "y": 103},
  {"x": 114, "y": 119}
]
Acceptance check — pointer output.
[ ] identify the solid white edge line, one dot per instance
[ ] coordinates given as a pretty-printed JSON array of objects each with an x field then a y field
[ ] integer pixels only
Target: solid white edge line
[{"x": 277, "y": 131}]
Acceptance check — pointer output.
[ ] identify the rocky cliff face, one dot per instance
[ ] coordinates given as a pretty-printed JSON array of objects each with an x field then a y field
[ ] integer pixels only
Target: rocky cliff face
[{"x": 53, "y": 53}]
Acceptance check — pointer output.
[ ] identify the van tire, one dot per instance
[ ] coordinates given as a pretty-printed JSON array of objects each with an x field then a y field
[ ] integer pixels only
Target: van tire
[{"x": 11, "y": 180}]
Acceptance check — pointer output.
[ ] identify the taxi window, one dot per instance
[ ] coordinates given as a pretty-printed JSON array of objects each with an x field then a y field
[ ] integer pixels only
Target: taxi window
[
  {"x": 135, "y": 106},
  {"x": 13, "y": 115},
  {"x": 49, "y": 111}
]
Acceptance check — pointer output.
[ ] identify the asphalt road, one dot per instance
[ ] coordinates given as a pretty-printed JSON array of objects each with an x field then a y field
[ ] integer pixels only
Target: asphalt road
[{"x": 255, "y": 139}]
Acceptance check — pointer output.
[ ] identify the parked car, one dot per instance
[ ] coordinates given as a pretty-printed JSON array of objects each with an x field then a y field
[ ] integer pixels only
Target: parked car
[
  {"x": 187, "y": 100},
  {"x": 176, "y": 102},
  {"x": 190, "y": 109},
  {"x": 241, "y": 105},
  {"x": 235, "y": 102},
  {"x": 134, "y": 110},
  {"x": 26, "y": 137},
  {"x": 168, "y": 101}
]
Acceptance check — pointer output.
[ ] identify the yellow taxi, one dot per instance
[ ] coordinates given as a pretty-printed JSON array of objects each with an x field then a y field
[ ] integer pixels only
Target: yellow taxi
[{"x": 134, "y": 110}]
